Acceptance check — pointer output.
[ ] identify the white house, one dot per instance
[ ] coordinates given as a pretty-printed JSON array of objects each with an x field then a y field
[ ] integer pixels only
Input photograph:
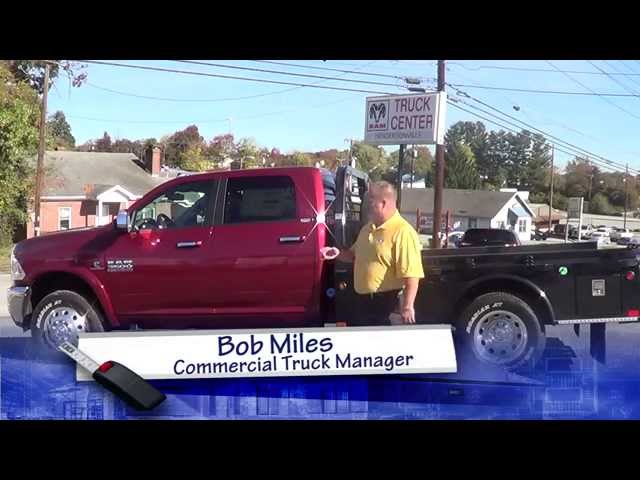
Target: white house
[{"x": 473, "y": 209}]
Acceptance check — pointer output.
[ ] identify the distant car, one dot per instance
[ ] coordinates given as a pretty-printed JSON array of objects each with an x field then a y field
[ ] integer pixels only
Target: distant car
[
  {"x": 600, "y": 236},
  {"x": 539, "y": 234},
  {"x": 618, "y": 234},
  {"x": 455, "y": 238},
  {"x": 585, "y": 231},
  {"x": 489, "y": 237}
]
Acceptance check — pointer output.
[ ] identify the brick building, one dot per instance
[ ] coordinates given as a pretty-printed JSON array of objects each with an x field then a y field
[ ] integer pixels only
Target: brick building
[{"x": 87, "y": 189}]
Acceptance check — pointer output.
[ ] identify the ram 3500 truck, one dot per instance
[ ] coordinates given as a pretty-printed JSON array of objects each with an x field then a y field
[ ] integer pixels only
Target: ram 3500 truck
[{"x": 241, "y": 249}]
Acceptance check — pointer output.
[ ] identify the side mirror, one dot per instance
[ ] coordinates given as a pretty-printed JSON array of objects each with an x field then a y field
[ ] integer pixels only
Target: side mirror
[{"x": 122, "y": 221}]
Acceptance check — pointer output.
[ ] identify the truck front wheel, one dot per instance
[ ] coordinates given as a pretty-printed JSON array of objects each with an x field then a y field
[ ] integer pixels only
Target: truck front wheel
[
  {"x": 501, "y": 329},
  {"x": 61, "y": 316}
]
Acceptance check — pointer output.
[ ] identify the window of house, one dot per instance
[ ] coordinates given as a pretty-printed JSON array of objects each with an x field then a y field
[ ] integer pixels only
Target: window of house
[
  {"x": 64, "y": 218},
  {"x": 260, "y": 199},
  {"x": 501, "y": 225},
  {"x": 522, "y": 225},
  {"x": 473, "y": 223}
]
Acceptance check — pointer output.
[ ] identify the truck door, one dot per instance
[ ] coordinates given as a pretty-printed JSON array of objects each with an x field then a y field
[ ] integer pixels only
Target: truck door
[
  {"x": 264, "y": 251},
  {"x": 155, "y": 274},
  {"x": 350, "y": 216}
]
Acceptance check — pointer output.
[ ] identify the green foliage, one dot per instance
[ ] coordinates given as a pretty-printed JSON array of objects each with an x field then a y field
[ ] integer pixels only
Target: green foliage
[
  {"x": 460, "y": 167},
  {"x": 19, "y": 116},
  {"x": 600, "y": 205},
  {"x": 59, "y": 133}
]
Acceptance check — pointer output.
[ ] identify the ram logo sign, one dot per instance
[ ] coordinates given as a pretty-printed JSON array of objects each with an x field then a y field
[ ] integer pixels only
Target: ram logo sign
[
  {"x": 378, "y": 116},
  {"x": 405, "y": 119}
]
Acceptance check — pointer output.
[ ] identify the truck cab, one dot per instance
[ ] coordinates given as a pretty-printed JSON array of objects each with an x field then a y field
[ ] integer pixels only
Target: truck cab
[{"x": 227, "y": 249}]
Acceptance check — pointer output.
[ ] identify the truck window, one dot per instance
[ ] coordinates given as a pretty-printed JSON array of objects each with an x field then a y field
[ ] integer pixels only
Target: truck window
[
  {"x": 260, "y": 199},
  {"x": 185, "y": 205}
]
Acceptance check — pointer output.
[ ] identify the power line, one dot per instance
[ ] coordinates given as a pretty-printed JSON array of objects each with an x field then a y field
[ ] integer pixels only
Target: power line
[
  {"x": 207, "y": 100},
  {"x": 313, "y": 67},
  {"x": 528, "y": 135},
  {"x": 231, "y": 77},
  {"x": 246, "y": 117},
  {"x": 280, "y": 72},
  {"x": 614, "y": 79},
  {"x": 554, "y": 92},
  {"x": 581, "y": 150},
  {"x": 524, "y": 69},
  {"x": 589, "y": 89},
  {"x": 636, "y": 82}
]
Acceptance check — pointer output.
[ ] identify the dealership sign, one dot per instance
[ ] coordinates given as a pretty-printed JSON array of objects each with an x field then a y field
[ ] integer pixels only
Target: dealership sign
[{"x": 405, "y": 119}]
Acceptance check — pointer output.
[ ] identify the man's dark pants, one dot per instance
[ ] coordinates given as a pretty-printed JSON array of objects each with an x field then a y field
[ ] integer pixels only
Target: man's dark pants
[{"x": 374, "y": 309}]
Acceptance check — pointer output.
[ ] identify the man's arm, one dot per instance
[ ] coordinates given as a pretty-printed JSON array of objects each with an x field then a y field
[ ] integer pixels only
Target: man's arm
[
  {"x": 346, "y": 256},
  {"x": 408, "y": 299}
]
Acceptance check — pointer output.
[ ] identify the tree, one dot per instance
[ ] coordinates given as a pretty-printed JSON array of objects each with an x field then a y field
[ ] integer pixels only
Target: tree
[
  {"x": 370, "y": 159},
  {"x": 247, "y": 154},
  {"x": 59, "y": 133},
  {"x": 19, "y": 117},
  {"x": 297, "y": 159},
  {"x": 460, "y": 167},
  {"x": 177, "y": 144},
  {"x": 222, "y": 148},
  {"x": 600, "y": 205},
  {"x": 474, "y": 134},
  {"x": 103, "y": 144},
  {"x": 194, "y": 160}
]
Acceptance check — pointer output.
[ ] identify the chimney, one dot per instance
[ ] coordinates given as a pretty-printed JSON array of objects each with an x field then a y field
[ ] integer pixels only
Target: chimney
[{"x": 152, "y": 160}]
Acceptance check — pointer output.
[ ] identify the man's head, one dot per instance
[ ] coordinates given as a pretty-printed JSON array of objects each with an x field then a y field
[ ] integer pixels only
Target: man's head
[{"x": 381, "y": 202}]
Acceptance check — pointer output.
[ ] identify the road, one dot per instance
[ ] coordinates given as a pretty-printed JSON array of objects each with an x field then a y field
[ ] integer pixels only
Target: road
[{"x": 7, "y": 327}]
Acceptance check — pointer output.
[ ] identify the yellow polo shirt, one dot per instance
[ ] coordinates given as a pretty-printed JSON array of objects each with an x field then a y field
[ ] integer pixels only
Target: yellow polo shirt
[{"x": 385, "y": 255}]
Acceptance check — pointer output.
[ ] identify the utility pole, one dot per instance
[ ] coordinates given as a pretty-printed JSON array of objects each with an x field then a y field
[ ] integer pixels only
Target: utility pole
[
  {"x": 40, "y": 164},
  {"x": 413, "y": 163},
  {"x": 439, "y": 177},
  {"x": 400, "y": 168},
  {"x": 551, "y": 189},
  {"x": 626, "y": 182}
]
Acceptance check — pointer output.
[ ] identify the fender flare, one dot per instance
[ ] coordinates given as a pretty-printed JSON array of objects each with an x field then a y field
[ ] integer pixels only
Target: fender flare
[
  {"x": 94, "y": 284},
  {"x": 528, "y": 284}
]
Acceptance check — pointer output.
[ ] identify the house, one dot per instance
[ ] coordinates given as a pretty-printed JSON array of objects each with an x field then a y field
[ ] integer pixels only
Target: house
[
  {"x": 473, "y": 209},
  {"x": 541, "y": 215},
  {"x": 87, "y": 189}
]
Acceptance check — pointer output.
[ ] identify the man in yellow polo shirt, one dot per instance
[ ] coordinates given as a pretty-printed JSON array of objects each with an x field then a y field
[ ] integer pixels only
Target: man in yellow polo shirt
[{"x": 387, "y": 260}]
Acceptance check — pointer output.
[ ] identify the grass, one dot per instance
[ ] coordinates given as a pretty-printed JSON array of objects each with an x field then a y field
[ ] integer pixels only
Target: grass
[{"x": 5, "y": 261}]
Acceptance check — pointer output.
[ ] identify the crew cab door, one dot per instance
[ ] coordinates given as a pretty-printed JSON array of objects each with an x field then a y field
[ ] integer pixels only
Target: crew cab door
[
  {"x": 350, "y": 216},
  {"x": 265, "y": 250},
  {"x": 156, "y": 274}
]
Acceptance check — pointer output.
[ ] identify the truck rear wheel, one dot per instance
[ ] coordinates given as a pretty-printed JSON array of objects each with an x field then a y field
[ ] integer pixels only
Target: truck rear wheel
[
  {"x": 501, "y": 329},
  {"x": 61, "y": 316}
]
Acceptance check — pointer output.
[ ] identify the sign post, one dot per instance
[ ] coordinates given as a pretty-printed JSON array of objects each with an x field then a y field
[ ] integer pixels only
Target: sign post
[
  {"x": 417, "y": 119},
  {"x": 574, "y": 212}
]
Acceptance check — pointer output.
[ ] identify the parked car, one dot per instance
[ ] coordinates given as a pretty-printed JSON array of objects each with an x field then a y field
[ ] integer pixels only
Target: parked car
[
  {"x": 539, "y": 234},
  {"x": 483, "y": 237},
  {"x": 619, "y": 233},
  {"x": 454, "y": 239},
  {"x": 585, "y": 231},
  {"x": 600, "y": 236},
  {"x": 241, "y": 249}
]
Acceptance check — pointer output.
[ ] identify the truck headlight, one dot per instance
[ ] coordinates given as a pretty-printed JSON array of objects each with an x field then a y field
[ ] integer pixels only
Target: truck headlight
[{"x": 17, "y": 273}]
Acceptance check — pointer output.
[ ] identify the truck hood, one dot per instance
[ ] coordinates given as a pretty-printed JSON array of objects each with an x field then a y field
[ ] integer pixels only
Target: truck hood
[{"x": 65, "y": 245}]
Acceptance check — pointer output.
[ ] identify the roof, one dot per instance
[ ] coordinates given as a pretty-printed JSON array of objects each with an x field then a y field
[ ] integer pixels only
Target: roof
[
  {"x": 90, "y": 173},
  {"x": 466, "y": 203},
  {"x": 541, "y": 211}
]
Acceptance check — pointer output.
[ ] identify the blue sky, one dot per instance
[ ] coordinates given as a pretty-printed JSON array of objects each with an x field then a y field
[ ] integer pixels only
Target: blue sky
[{"x": 313, "y": 119}]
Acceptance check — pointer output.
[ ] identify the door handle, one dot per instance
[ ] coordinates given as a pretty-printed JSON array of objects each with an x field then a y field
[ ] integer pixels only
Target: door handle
[
  {"x": 189, "y": 244},
  {"x": 292, "y": 239}
]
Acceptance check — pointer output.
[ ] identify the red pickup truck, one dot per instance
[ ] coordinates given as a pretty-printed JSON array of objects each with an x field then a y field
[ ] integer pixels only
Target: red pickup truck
[{"x": 230, "y": 249}]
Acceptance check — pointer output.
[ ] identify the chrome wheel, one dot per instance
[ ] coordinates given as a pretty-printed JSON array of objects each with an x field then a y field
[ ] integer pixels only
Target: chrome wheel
[
  {"x": 63, "y": 324},
  {"x": 499, "y": 337}
]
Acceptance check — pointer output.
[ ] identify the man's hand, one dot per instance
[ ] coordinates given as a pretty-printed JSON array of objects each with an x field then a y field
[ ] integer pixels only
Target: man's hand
[
  {"x": 408, "y": 315},
  {"x": 329, "y": 253}
]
